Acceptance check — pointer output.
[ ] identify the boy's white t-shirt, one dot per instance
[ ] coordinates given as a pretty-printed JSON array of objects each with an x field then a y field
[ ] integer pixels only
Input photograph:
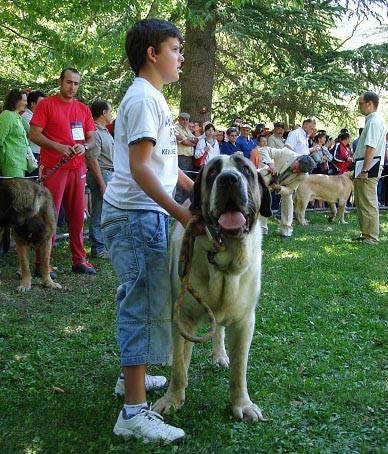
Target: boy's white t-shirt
[{"x": 143, "y": 114}]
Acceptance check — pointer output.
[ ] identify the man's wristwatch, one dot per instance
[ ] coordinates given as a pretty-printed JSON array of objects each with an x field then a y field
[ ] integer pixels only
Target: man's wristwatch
[
  {"x": 364, "y": 171},
  {"x": 86, "y": 147}
]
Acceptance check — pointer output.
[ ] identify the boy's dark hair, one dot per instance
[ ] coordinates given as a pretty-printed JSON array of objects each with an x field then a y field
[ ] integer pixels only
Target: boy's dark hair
[
  {"x": 33, "y": 96},
  {"x": 12, "y": 98},
  {"x": 344, "y": 136},
  {"x": 72, "y": 70},
  {"x": 98, "y": 108},
  {"x": 146, "y": 33}
]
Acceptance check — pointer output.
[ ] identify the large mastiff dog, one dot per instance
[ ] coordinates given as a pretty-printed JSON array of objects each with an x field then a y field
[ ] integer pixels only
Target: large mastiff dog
[
  {"x": 29, "y": 210},
  {"x": 330, "y": 188},
  {"x": 230, "y": 195}
]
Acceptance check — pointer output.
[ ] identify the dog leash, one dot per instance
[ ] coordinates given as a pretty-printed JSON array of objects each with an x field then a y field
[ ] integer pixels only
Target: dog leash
[
  {"x": 56, "y": 167},
  {"x": 184, "y": 268}
]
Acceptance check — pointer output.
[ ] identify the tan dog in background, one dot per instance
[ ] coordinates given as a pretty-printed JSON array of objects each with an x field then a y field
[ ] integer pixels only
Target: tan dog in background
[
  {"x": 330, "y": 188},
  {"x": 28, "y": 209}
]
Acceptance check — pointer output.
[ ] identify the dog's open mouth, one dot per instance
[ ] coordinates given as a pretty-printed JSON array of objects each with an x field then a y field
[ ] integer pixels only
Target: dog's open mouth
[
  {"x": 233, "y": 223},
  {"x": 232, "y": 220}
]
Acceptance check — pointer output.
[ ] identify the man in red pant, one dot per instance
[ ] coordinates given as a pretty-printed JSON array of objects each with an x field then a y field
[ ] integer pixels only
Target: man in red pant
[{"x": 63, "y": 127}]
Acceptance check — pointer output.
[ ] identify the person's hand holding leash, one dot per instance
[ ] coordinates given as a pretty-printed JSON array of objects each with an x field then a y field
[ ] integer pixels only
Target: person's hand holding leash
[
  {"x": 66, "y": 150},
  {"x": 79, "y": 149}
]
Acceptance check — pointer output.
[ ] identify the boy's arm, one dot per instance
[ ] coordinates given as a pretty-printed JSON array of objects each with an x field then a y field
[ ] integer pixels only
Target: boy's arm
[
  {"x": 184, "y": 181},
  {"x": 145, "y": 177}
]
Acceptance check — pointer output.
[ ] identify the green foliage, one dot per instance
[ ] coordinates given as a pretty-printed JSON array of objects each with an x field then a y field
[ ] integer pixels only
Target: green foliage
[
  {"x": 274, "y": 59},
  {"x": 317, "y": 365}
]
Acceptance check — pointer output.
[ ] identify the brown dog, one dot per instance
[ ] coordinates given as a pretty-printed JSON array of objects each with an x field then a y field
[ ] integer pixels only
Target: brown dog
[
  {"x": 29, "y": 210},
  {"x": 330, "y": 188}
]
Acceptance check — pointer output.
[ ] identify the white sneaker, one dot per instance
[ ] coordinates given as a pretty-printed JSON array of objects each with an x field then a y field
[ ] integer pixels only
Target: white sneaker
[
  {"x": 149, "y": 425},
  {"x": 152, "y": 382}
]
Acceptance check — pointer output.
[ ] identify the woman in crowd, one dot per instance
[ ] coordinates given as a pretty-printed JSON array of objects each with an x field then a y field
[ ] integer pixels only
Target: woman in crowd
[
  {"x": 207, "y": 147},
  {"x": 229, "y": 147},
  {"x": 220, "y": 136},
  {"x": 321, "y": 156},
  {"x": 197, "y": 129},
  {"x": 13, "y": 139}
]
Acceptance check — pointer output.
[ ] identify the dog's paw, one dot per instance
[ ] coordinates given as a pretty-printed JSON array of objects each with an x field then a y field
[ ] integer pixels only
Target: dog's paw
[
  {"x": 24, "y": 287},
  {"x": 343, "y": 222},
  {"x": 220, "y": 360},
  {"x": 330, "y": 219},
  {"x": 248, "y": 411},
  {"x": 168, "y": 401},
  {"x": 52, "y": 284}
]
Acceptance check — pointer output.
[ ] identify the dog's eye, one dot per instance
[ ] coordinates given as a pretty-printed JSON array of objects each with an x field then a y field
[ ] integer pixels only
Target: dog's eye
[
  {"x": 212, "y": 172},
  {"x": 246, "y": 170}
]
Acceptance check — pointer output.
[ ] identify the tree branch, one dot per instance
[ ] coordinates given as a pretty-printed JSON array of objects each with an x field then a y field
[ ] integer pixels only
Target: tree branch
[{"x": 36, "y": 41}]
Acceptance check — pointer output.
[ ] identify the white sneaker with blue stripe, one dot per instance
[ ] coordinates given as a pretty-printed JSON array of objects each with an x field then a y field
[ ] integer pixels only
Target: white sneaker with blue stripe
[{"x": 148, "y": 425}]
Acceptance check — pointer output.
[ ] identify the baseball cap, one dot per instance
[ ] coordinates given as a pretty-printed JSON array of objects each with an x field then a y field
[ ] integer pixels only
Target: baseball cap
[
  {"x": 278, "y": 124},
  {"x": 184, "y": 116},
  {"x": 245, "y": 126},
  {"x": 260, "y": 126}
]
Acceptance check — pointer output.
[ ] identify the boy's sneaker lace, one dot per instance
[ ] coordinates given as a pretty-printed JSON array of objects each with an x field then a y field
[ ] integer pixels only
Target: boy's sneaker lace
[
  {"x": 83, "y": 268},
  {"x": 148, "y": 425},
  {"x": 152, "y": 382}
]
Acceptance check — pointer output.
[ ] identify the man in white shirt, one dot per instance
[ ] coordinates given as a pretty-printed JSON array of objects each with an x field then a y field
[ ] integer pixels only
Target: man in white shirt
[
  {"x": 298, "y": 139},
  {"x": 371, "y": 145}
]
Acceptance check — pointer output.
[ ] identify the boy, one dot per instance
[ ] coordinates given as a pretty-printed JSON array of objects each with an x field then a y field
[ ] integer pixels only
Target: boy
[{"x": 136, "y": 206}]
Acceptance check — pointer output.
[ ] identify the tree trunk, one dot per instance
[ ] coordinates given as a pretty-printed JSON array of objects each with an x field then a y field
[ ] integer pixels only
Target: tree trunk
[{"x": 198, "y": 69}]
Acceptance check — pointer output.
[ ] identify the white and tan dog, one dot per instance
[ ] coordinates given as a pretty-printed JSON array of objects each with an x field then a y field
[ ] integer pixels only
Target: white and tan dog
[
  {"x": 330, "y": 188},
  {"x": 230, "y": 194}
]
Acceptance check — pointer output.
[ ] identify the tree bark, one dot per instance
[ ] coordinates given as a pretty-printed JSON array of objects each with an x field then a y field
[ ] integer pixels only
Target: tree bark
[{"x": 198, "y": 69}]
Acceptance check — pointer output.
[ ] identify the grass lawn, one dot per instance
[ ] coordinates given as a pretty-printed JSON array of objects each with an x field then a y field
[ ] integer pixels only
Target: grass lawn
[{"x": 318, "y": 363}]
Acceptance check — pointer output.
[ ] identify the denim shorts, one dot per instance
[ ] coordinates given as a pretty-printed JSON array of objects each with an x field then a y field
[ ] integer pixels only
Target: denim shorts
[{"x": 138, "y": 245}]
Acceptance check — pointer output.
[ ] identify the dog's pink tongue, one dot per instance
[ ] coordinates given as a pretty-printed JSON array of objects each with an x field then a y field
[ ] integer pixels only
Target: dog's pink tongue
[{"x": 232, "y": 220}]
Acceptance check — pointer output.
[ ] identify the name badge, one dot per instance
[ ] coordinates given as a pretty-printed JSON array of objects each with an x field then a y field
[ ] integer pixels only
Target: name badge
[{"x": 77, "y": 131}]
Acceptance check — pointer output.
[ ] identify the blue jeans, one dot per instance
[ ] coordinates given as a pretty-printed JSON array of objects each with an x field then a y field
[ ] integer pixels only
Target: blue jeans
[
  {"x": 95, "y": 235},
  {"x": 138, "y": 245}
]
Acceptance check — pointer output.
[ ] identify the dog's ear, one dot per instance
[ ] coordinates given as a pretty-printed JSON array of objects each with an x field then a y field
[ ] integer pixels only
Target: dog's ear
[
  {"x": 195, "y": 193},
  {"x": 265, "y": 206}
]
